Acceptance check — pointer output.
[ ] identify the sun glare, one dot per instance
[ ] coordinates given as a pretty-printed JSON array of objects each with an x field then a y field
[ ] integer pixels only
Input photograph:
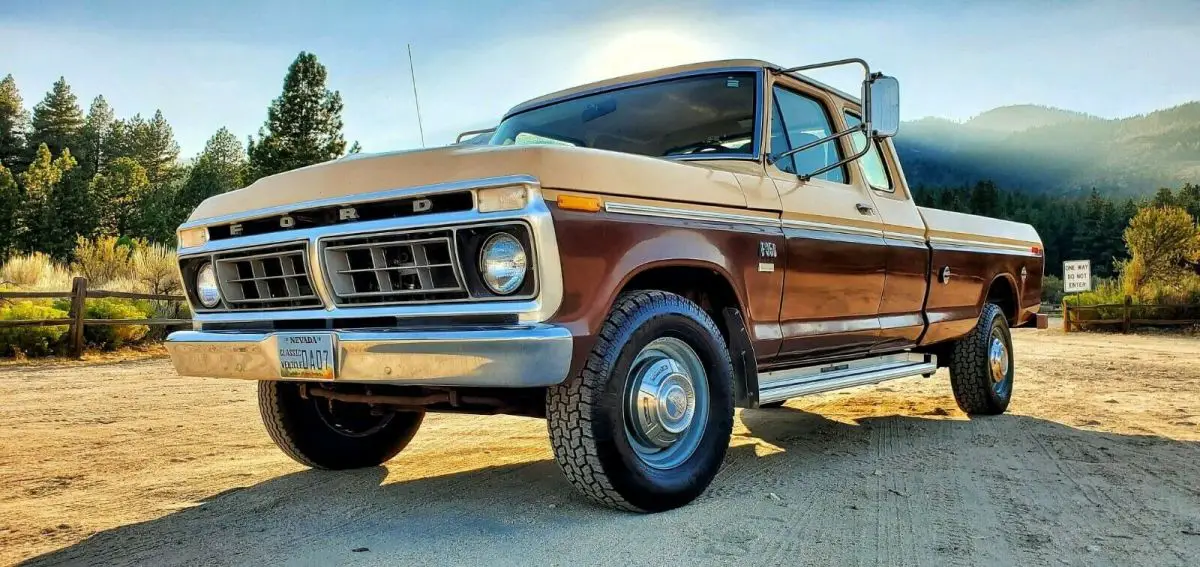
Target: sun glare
[{"x": 643, "y": 50}]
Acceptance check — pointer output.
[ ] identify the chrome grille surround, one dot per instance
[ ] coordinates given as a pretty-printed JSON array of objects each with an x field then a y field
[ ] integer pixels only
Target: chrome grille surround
[
  {"x": 429, "y": 261},
  {"x": 536, "y": 307},
  {"x": 394, "y": 267},
  {"x": 274, "y": 277}
]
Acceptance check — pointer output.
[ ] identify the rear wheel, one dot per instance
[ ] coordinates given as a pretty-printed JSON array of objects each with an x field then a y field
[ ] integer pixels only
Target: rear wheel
[
  {"x": 328, "y": 434},
  {"x": 981, "y": 365},
  {"x": 645, "y": 425}
]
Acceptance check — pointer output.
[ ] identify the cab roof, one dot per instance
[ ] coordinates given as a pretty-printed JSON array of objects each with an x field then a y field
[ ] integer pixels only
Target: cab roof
[{"x": 615, "y": 82}]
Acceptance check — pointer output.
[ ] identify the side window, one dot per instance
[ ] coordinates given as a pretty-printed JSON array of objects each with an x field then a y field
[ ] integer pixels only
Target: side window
[
  {"x": 872, "y": 164},
  {"x": 800, "y": 120}
]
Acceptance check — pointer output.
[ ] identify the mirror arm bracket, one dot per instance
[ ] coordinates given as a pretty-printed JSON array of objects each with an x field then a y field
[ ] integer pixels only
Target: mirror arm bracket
[
  {"x": 863, "y": 152},
  {"x": 860, "y": 128}
]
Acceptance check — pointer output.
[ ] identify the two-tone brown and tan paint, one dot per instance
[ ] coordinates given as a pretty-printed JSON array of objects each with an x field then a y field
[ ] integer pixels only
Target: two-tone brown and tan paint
[
  {"x": 602, "y": 252},
  {"x": 844, "y": 282}
]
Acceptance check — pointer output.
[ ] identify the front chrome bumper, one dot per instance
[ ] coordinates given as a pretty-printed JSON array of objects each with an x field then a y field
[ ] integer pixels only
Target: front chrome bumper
[{"x": 508, "y": 357}]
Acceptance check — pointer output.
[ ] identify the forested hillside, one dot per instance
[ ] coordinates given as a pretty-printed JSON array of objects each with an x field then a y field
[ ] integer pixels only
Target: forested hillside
[{"x": 1056, "y": 152}]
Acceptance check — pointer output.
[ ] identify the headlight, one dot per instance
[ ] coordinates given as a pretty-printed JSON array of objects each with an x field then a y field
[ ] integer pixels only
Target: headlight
[
  {"x": 207, "y": 289},
  {"x": 502, "y": 263}
]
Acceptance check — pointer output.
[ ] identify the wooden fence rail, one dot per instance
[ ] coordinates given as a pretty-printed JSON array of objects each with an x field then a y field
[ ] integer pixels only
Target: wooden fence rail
[
  {"x": 76, "y": 320},
  {"x": 1073, "y": 315}
]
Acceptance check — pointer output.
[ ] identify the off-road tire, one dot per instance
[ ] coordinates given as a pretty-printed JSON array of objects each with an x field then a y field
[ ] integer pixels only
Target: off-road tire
[
  {"x": 296, "y": 426},
  {"x": 586, "y": 422},
  {"x": 970, "y": 370}
]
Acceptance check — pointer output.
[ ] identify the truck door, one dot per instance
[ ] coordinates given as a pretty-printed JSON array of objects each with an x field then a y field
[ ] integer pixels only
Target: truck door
[
  {"x": 836, "y": 254},
  {"x": 901, "y": 319}
]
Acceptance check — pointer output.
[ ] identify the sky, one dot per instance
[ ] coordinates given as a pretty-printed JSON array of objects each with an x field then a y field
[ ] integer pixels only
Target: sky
[{"x": 220, "y": 62}]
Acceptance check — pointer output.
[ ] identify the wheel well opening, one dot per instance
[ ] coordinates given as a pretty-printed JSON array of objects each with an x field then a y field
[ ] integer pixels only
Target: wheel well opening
[
  {"x": 714, "y": 294},
  {"x": 1004, "y": 295},
  {"x": 704, "y": 287}
]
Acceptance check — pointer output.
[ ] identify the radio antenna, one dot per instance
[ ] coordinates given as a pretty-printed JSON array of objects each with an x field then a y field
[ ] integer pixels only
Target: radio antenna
[{"x": 412, "y": 73}]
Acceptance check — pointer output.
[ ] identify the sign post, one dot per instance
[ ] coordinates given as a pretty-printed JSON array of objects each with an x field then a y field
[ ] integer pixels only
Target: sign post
[{"x": 1077, "y": 277}]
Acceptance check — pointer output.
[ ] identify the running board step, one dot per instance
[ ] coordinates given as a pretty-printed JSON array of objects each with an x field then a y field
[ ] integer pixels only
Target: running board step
[{"x": 783, "y": 385}]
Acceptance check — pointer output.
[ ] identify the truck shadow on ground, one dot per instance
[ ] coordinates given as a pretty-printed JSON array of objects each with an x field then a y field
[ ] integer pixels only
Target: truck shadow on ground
[{"x": 796, "y": 475}]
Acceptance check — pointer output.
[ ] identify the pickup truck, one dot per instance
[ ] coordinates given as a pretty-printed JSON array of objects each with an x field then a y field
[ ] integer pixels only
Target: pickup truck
[{"x": 629, "y": 260}]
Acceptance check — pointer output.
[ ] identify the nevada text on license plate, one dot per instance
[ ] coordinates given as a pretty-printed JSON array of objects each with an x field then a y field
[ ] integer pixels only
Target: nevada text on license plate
[{"x": 306, "y": 355}]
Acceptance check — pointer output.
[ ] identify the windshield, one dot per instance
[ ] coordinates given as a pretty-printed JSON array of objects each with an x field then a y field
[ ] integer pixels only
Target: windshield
[{"x": 693, "y": 116}]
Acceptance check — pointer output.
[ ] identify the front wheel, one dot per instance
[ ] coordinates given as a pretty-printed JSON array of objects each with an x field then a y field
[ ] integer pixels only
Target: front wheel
[
  {"x": 981, "y": 365},
  {"x": 645, "y": 425},
  {"x": 328, "y": 434}
]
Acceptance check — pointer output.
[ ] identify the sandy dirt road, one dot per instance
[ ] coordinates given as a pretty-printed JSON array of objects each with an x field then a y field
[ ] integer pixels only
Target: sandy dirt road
[{"x": 1098, "y": 463}]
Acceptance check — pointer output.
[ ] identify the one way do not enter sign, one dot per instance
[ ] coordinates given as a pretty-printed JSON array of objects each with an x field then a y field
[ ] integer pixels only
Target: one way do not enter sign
[{"x": 1077, "y": 276}]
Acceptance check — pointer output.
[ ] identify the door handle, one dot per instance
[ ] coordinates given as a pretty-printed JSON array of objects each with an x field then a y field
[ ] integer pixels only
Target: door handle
[{"x": 865, "y": 209}]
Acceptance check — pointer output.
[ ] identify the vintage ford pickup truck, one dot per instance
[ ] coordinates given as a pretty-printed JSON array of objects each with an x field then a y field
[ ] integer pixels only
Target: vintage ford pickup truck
[{"x": 629, "y": 260}]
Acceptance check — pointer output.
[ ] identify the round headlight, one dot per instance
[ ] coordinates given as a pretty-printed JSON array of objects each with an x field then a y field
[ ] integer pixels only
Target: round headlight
[
  {"x": 206, "y": 286},
  {"x": 502, "y": 263}
]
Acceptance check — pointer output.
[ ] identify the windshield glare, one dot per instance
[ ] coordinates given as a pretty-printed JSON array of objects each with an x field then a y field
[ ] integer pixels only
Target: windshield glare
[{"x": 692, "y": 116}]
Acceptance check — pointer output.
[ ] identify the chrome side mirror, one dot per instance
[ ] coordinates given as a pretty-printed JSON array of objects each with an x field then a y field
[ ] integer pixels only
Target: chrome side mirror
[{"x": 882, "y": 105}]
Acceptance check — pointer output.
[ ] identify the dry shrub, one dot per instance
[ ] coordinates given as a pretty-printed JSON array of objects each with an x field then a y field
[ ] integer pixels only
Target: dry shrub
[
  {"x": 156, "y": 269},
  {"x": 35, "y": 272},
  {"x": 103, "y": 260}
]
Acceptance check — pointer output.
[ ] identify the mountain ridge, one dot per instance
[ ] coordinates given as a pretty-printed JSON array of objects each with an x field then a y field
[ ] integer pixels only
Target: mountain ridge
[{"x": 1056, "y": 151}]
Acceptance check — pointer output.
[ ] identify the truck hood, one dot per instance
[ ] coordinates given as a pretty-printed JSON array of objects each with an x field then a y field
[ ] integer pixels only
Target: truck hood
[{"x": 579, "y": 169}]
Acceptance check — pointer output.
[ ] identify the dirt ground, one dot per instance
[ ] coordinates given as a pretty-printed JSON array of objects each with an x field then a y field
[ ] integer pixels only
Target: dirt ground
[{"x": 1097, "y": 463}]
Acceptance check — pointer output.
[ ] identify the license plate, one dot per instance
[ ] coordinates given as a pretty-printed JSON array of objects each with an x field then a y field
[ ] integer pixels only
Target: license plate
[{"x": 306, "y": 355}]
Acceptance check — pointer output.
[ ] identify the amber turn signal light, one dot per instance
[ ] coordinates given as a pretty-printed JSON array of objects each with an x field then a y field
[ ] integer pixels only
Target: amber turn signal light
[{"x": 578, "y": 203}]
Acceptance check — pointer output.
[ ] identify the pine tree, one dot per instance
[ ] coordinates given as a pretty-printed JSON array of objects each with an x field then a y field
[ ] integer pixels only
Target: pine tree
[
  {"x": 1164, "y": 198},
  {"x": 57, "y": 120},
  {"x": 119, "y": 141},
  {"x": 219, "y": 168},
  {"x": 74, "y": 214},
  {"x": 985, "y": 199},
  {"x": 154, "y": 215},
  {"x": 10, "y": 203},
  {"x": 14, "y": 122},
  {"x": 1189, "y": 199},
  {"x": 151, "y": 143},
  {"x": 155, "y": 148},
  {"x": 40, "y": 180},
  {"x": 93, "y": 137},
  {"x": 116, "y": 190},
  {"x": 304, "y": 125}
]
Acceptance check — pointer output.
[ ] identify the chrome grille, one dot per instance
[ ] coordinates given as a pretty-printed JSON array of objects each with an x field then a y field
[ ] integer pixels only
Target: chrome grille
[
  {"x": 266, "y": 278},
  {"x": 394, "y": 268}
]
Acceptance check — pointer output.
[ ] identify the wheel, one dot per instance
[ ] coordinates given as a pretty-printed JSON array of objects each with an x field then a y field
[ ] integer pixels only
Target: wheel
[
  {"x": 328, "y": 434},
  {"x": 981, "y": 365},
  {"x": 645, "y": 425},
  {"x": 772, "y": 405}
]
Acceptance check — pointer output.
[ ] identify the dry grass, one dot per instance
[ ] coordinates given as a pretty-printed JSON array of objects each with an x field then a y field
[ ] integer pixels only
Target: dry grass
[
  {"x": 35, "y": 272},
  {"x": 106, "y": 262}
]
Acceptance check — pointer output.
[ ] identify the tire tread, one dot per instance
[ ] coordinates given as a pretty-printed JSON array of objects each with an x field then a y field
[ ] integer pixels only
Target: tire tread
[
  {"x": 970, "y": 376},
  {"x": 569, "y": 405}
]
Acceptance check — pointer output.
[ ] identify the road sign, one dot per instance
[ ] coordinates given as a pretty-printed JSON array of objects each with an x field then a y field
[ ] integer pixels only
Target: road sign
[{"x": 1077, "y": 276}]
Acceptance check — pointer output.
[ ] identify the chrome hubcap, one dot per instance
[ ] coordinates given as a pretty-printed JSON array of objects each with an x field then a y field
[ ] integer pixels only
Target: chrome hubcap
[
  {"x": 998, "y": 359},
  {"x": 666, "y": 403}
]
